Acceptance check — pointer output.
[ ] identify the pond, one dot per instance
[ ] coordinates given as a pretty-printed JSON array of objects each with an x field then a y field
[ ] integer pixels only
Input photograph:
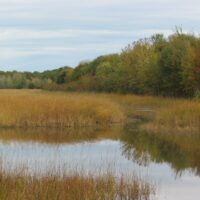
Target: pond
[{"x": 171, "y": 162}]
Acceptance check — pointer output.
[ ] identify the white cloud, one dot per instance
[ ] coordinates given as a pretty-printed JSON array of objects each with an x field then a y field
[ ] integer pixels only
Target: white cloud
[
  {"x": 12, "y": 53},
  {"x": 57, "y": 27},
  {"x": 8, "y": 34}
]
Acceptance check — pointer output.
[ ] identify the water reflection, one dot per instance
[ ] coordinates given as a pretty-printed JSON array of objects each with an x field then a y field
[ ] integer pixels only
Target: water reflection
[
  {"x": 60, "y": 136},
  {"x": 182, "y": 152},
  {"x": 60, "y": 151},
  {"x": 123, "y": 150}
]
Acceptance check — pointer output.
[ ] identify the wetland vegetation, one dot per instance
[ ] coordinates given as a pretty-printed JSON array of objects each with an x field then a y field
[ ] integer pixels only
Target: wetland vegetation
[
  {"x": 36, "y": 108},
  {"x": 70, "y": 187},
  {"x": 137, "y": 112},
  {"x": 40, "y": 128}
]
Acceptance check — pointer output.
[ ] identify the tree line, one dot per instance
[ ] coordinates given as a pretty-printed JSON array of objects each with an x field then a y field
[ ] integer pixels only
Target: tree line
[
  {"x": 32, "y": 80},
  {"x": 166, "y": 66}
]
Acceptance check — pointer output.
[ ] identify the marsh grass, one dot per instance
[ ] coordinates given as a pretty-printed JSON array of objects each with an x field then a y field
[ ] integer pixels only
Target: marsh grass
[
  {"x": 178, "y": 116},
  {"x": 140, "y": 107},
  {"x": 159, "y": 114},
  {"x": 25, "y": 108},
  {"x": 76, "y": 187},
  {"x": 35, "y": 108}
]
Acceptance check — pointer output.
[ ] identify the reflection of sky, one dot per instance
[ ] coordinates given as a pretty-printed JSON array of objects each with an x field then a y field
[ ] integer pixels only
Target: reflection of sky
[
  {"x": 98, "y": 157},
  {"x": 36, "y": 35}
]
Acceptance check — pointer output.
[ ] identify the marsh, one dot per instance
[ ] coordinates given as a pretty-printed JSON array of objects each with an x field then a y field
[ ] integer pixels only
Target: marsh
[{"x": 80, "y": 138}]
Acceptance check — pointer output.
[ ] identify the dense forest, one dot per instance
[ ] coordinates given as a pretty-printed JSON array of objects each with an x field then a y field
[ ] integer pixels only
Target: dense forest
[{"x": 167, "y": 66}]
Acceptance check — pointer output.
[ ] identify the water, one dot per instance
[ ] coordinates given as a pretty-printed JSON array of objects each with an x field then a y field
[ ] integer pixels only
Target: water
[{"x": 171, "y": 162}]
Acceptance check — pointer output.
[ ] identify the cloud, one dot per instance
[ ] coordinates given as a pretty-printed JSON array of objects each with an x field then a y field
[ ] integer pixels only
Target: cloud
[
  {"x": 8, "y": 34},
  {"x": 35, "y": 44},
  {"x": 74, "y": 29},
  {"x": 11, "y": 53}
]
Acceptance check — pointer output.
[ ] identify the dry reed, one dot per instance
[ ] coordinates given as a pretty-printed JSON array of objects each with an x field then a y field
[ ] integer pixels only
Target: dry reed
[
  {"x": 73, "y": 187},
  {"x": 35, "y": 108},
  {"x": 26, "y": 108}
]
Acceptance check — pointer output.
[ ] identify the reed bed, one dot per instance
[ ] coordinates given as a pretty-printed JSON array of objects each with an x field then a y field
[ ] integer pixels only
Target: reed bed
[
  {"x": 26, "y": 108},
  {"x": 178, "y": 116},
  {"x": 140, "y": 107},
  {"x": 166, "y": 115},
  {"x": 76, "y": 187},
  {"x": 35, "y": 108}
]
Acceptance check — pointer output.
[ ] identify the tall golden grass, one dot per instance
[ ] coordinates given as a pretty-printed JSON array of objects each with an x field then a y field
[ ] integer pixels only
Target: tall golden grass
[
  {"x": 167, "y": 115},
  {"x": 73, "y": 187},
  {"x": 178, "y": 116},
  {"x": 35, "y": 108},
  {"x": 26, "y": 108}
]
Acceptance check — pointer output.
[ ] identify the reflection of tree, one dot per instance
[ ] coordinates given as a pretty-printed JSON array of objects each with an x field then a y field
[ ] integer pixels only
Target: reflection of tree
[{"x": 180, "y": 151}]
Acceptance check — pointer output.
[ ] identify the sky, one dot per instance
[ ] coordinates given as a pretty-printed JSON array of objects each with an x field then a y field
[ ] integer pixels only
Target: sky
[{"x": 37, "y": 35}]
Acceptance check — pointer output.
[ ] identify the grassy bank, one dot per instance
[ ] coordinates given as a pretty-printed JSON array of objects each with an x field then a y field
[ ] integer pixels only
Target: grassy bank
[
  {"x": 28, "y": 108},
  {"x": 35, "y": 108},
  {"x": 166, "y": 115},
  {"x": 76, "y": 187},
  {"x": 178, "y": 116}
]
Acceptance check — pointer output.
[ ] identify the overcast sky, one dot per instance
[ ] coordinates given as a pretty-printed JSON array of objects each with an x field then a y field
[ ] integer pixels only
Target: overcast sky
[{"x": 47, "y": 34}]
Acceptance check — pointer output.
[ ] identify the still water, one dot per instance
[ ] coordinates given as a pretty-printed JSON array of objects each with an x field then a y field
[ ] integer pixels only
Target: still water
[{"x": 171, "y": 162}]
